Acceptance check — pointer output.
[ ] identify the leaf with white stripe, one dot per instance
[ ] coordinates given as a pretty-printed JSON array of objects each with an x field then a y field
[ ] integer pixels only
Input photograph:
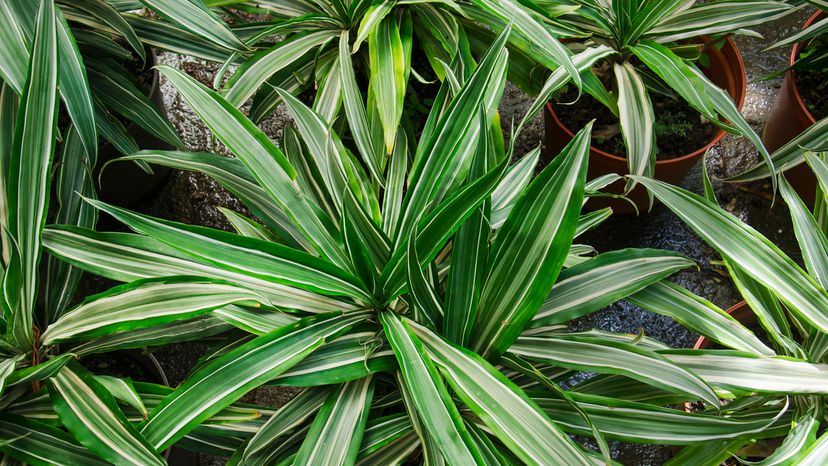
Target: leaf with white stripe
[
  {"x": 248, "y": 256},
  {"x": 90, "y": 413},
  {"x": 335, "y": 436},
  {"x": 511, "y": 415},
  {"x": 390, "y": 63},
  {"x": 603, "y": 280},
  {"x": 607, "y": 356},
  {"x": 14, "y": 55},
  {"x": 791, "y": 154},
  {"x": 635, "y": 112},
  {"x": 74, "y": 87},
  {"x": 717, "y": 17},
  {"x": 530, "y": 249},
  {"x": 512, "y": 185},
  {"x": 698, "y": 315},
  {"x": 747, "y": 248},
  {"x": 811, "y": 239},
  {"x": 37, "y": 443},
  {"x": 127, "y": 257},
  {"x": 194, "y": 17},
  {"x": 145, "y": 303},
  {"x": 259, "y": 449},
  {"x": 353, "y": 356},
  {"x": 122, "y": 390},
  {"x": 745, "y": 373},
  {"x": 429, "y": 395},
  {"x": 265, "y": 162},
  {"x": 30, "y": 165},
  {"x": 227, "y": 378}
]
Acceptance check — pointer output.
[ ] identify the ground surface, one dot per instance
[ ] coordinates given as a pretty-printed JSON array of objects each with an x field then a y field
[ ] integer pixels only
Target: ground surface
[{"x": 193, "y": 199}]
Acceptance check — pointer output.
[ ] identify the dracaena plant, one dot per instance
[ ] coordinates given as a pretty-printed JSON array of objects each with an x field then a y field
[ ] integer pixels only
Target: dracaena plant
[
  {"x": 40, "y": 335},
  {"x": 425, "y": 316},
  {"x": 814, "y": 55},
  {"x": 296, "y": 46},
  {"x": 658, "y": 50},
  {"x": 102, "y": 52},
  {"x": 791, "y": 306}
]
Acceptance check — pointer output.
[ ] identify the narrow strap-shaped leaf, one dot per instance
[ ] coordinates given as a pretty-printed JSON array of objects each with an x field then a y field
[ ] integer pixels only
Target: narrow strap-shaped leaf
[
  {"x": 355, "y": 111},
  {"x": 270, "y": 167},
  {"x": 816, "y": 454},
  {"x": 42, "y": 371},
  {"x": 122, "y": 390},
  {"x": 431, "y": 399},
  {"x": 258, "y": 258},
  {"x": 390, "y": 62},
  {"x": 106, "y": 254},
  {"x": 613, "y": 357},
  {"x": 751, "y": 251},
  {"x": 145, "y": 303},
  {"x": 511, "y": 415},
  {"x": 698, "y": 315},
  {"x": 248, "y": 227},
  {"x": 710, "y": 100},
  {"x": 511, "y": 186},
  {"x": 394, "y": 452},
  {"x": 6, "y": 368},
  {"x": 381, "y": 431},
  {"x": 292, "y": 414},
  {"x": 428, "y": 307},
  {"x": 530, "y": 248},
  {"x": 812, "y": 241},
  {"x": 746, "y": 373},
  {"x": 103, "y": 11},
  {"x": 36, "y": 442},
  {"x": 14, "y": 55},
  {"x": 455, "y": 136},
  {"x": 635, "y": 113},
  {"x": 262, "y": 65},
  {"x": 395, "y": 186},
  {"x": 194, "y": 17},
  {"x": 225, "y": 379},
  {"x": 803, "y": 432},
  {"x": 791, "y": 154},
  {"x": 74, "y": 88},
  {"x": 431, "y": 451},
  {"x": 717, "y": 17},
  {"x": 31, "y": 163},
  {"x": 328, "y": 97},
  {"x": 93, "y": 417},
  {"x": 335, "y": 436},
  {"x": 601, "y": 281},
  {"x": 350, "y": 357}
]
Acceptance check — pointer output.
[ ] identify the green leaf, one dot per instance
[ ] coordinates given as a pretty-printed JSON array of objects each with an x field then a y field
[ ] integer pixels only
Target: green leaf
[
  {"x": 607, "y": 356},
  {"x": 123, "y": 391},
  {"x": 390, "y": 62},
  {"x": 30, "y": 166},
  {"x": 225, "y": 379},
  {"x": 599, "y": 282},
  {"x": 431, "y": 399},
  {"x": 247, "y": 256},
  {"x": 264, "y": 64},
  {"x": 195, "y": 18},
  {"x": 41, "y": 371},
  {"x": 744, "y": 373},
  {"x": 511, "y": 416},
  {"x": 530, "y": 248},
  {"x": 38, "y": 443},
  {"x": 811, "y": 239},
  {"x": 635, "y": 112},
  {"x": 90, "y": 413},
  {"x": 74, "y": 88},
  {"x": 104, "y": 12},
  {"x": 265, "y": 162},
  {"x": 511, "y": 186},
  {"x": 745, "y": 247},
  {"x": 266, "y": 441},
  {"x": 698, "y": 315},
  {"x": 335, "y": 436},
  {"x": 105, "y": 254},
  {"x": 145, "y": 303},
  {"x": 710, "y": 100},
  {"x": 14, "y": 55},
  {"x": 356, "y": 114},
  {"x": 717, "y": 17}
]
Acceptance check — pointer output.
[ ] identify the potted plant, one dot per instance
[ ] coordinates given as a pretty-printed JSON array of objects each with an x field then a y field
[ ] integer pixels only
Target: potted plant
[
  {"x": 672, "y": 90},
  {"x": 797, "y": 121},
  {"x": 784, "y": 304},
  {"x": 388, "y": 307},
  {"x": 52, "y": 408}
]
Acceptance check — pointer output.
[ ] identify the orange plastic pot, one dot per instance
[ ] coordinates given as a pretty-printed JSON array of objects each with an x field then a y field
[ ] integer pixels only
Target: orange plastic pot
[
  {"x": 726, "y": 70},
  {"x": 788, "y": 118}
]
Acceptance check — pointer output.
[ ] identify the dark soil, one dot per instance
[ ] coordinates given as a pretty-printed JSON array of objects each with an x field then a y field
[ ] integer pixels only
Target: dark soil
[
  {"x": 123, "y": 364},
  {"x": 679, "y": 128},
  {"x": 813, "y": 88}
]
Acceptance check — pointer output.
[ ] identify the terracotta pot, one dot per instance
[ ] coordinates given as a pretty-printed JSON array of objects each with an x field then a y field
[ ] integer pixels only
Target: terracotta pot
[
  {"x": 726, "y": 70},
  {"x": 125, "y": 183},
  {"x": 787, "y": 119}
]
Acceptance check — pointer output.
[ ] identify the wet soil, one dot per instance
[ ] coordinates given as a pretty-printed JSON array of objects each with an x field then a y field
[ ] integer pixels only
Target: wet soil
[{"x": 813, "y": 88}]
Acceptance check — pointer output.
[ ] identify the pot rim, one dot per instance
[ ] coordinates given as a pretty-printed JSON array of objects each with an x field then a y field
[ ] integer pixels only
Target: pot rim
[
  {"x": 739, "y": 73},
  {"x": 795, "y": 51}
]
